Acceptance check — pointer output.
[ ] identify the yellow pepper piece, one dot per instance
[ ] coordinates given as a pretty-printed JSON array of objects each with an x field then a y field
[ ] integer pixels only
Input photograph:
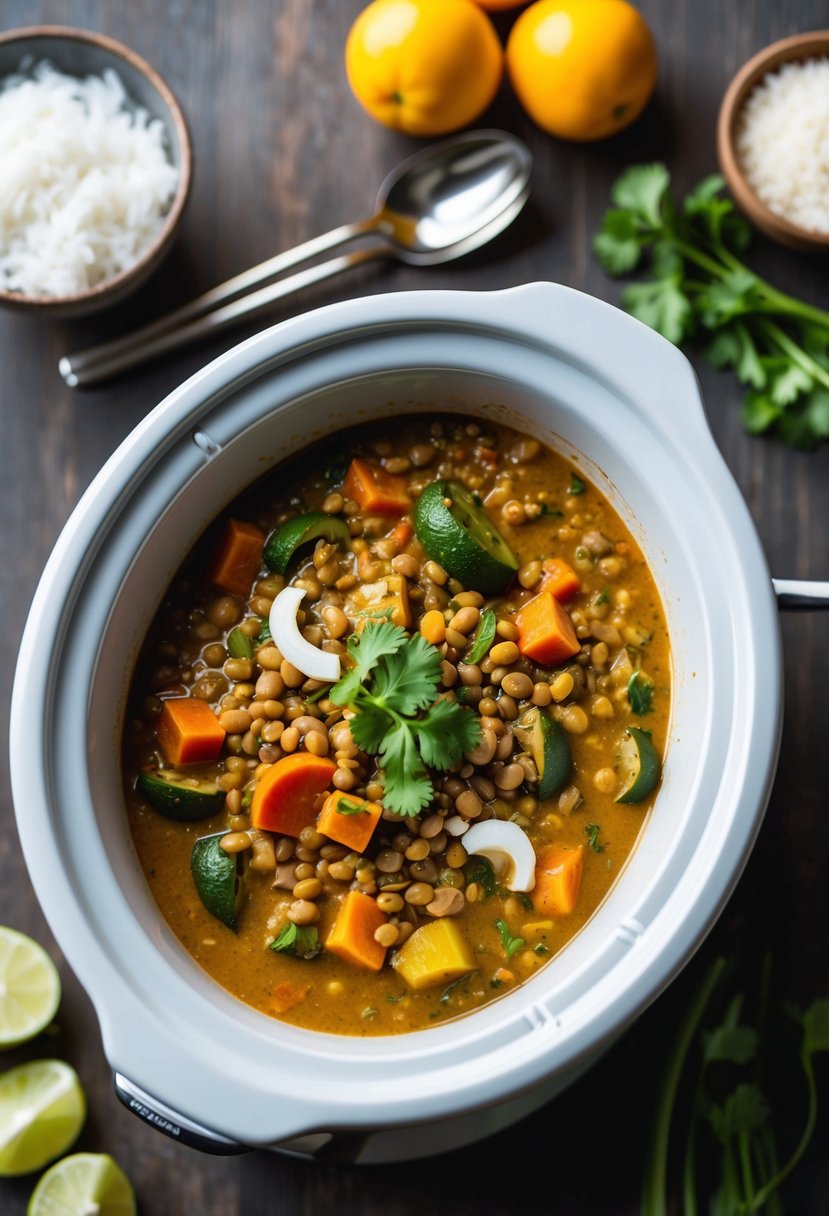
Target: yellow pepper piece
[{"x": 435, "y": 954}]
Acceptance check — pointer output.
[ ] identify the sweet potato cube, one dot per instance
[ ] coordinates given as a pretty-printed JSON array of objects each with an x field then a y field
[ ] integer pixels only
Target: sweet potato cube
[
  {"x": 560, "y": 578},
  {"x": 352, "y": 935},
  {"x": 375, "y": 490},
  {"x": 435, "y": 954},
  {"x": 347, "y": 826},
  {"x": 239, "y": 558},
  {"x": 557, "y": 880},
  {"x": 189, "y": 732},
  {"x": 545, "y": 631},
  {"x": 387, "y": 597}
]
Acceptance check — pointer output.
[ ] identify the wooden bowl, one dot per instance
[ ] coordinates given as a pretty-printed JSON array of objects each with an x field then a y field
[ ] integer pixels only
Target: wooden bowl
[
  {"x": 82, "y": 53},
  {"x": 799, "y": 47}
]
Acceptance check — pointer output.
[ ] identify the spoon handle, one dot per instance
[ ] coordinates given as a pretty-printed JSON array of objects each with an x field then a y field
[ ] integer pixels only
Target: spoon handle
[
  {"x": 802, "y": 595},
  {"x": 102, "y": 362}
]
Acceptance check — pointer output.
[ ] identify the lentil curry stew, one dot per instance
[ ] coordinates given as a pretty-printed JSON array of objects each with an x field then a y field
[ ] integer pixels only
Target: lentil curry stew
[{"x": 396, "y": 725}]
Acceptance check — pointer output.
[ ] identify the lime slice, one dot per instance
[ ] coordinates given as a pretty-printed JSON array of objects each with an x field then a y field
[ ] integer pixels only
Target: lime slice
[
  {"x": 639, "y": 764},
  {"x": 85, "y": 1184},
  {"x": 463, "y": 538},
  {"x": 216, "y": 877},
  {"x": 29, "y": 988},
  {"x": 42, "y": 1109},
  {"x": 546, "y": 741},
  {"x": 177, "y": 799},
  {"x": 288, "y": 537}
]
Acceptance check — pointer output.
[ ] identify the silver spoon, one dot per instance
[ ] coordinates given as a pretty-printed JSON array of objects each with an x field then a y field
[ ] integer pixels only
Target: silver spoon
[{"x": 441, "y": 203}]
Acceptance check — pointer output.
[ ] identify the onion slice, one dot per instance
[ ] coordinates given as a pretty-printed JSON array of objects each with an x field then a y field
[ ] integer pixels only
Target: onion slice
[
  {"x": 508, "y": 848},
  {"x": 314, "y": 663}
]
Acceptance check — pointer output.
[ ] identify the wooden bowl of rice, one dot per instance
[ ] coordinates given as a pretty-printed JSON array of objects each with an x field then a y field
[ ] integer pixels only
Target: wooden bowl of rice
[
  {"x": 85, "y": 218},
  {"x": 773, "y": 140}
]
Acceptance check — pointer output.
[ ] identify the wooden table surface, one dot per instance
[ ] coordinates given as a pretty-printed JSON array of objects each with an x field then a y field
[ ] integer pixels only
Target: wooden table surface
[{"x": 282, "y": 152}]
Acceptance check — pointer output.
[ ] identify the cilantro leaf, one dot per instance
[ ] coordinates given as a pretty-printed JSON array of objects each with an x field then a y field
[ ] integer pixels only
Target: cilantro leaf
[
  {"x": 759, "y": 413},
  {"x": 300, "y": 940},
  {"x": 511, "y": 944},
  {"x": 368, "y": 646},
  {"x": 618, "y": 245},
  {"x": 734, "y": 347},
  {"x": 592, "y": 830},
  {"x": 662, "y": 305},
  {"x": 640, "y": 693},
  {"x": 789, "y": 382},
  {"x": 406, "y": 681},
  {"x": 730, "y": 1042},
  {"x": 576, "y": 485},
  {"x": 744, "y": 1110},
  {"x": 445, "y": 733},
  {"x": 642, "y": 190},
  {"x": 815, "y": 1023}
]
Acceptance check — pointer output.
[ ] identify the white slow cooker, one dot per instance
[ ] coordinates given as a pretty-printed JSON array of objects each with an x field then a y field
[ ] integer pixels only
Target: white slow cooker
[{"x": 601, "y": 388}]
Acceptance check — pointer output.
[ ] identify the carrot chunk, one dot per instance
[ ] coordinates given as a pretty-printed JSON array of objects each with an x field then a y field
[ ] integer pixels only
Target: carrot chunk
[
  {"x": 188, "y": 731},
  {"x": 349, "y": 827},
  {"x": 239, "y": 558},
  {"x": 402, "y": 534},
  {"x": 286, "y": 795},
  {"x": 376, "y": 490},
  {"x": 557, "y": 880},
  {"x": 288, "y": 994},
  {"x": 352, "y": 935},
  {"x": 545, "y": 631},
  {"x": 560, "y": 578}
]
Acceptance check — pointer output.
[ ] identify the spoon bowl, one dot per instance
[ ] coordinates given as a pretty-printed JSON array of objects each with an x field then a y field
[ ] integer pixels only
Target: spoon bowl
[
  {"x": 441, "y": 203},
  {"x": 453, "y": 197}
]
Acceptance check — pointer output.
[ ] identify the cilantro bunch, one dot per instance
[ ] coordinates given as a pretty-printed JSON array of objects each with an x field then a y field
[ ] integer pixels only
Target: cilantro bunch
[
  {"x": 392, "y": 687},
  {"x": 723, "y": 1117},
  {"x": 697, "y": 286}
]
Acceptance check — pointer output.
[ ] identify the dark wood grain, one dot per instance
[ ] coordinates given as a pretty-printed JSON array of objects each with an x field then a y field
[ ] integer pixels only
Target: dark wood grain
[{"x": 282, "y": 152}]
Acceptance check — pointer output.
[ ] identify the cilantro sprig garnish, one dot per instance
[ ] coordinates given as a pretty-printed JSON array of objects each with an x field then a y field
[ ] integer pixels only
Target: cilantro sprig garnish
[
  {"x": 698, "y": 286},
  {"x": 392, "y": 687},
  {"x": 300, "y": 940}
]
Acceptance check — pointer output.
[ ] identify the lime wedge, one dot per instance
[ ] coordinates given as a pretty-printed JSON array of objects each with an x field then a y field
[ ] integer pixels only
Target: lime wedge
[
  {"x": 42, "y": 1109},
  {"x": 85, "y": 1184},
  {"x": 29, "y": 988}
]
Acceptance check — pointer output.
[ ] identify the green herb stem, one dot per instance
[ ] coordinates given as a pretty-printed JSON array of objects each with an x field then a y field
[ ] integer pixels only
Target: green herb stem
[
  {"x": 796, "y": 353},
  {"x": 803, "y": 1143},
  {"x": 654, "y": 1194}
]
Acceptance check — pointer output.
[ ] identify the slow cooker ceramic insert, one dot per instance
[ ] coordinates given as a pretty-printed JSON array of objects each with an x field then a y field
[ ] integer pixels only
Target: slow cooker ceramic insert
[{"x": 602, "y": 389}]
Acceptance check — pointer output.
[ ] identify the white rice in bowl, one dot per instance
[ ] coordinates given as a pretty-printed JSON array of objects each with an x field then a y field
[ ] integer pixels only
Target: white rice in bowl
[{"x": 86, "y": 181}]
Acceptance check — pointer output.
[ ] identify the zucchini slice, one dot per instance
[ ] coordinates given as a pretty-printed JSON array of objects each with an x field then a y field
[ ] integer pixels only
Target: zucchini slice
[
  {"x": 463, "y": 538},
  {"x": 639, "y": 765},
  {"x": 176, "y": 800},
  {"x": 547, "y": 743},
  {"x": 285, "y": 540},
  {"x": 217, "y": 876}
]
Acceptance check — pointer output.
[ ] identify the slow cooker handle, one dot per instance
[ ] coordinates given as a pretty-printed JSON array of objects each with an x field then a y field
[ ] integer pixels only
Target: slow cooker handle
[
  {"x": 801, "y": 595},
  {"x": 171, "y": 1123}
]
